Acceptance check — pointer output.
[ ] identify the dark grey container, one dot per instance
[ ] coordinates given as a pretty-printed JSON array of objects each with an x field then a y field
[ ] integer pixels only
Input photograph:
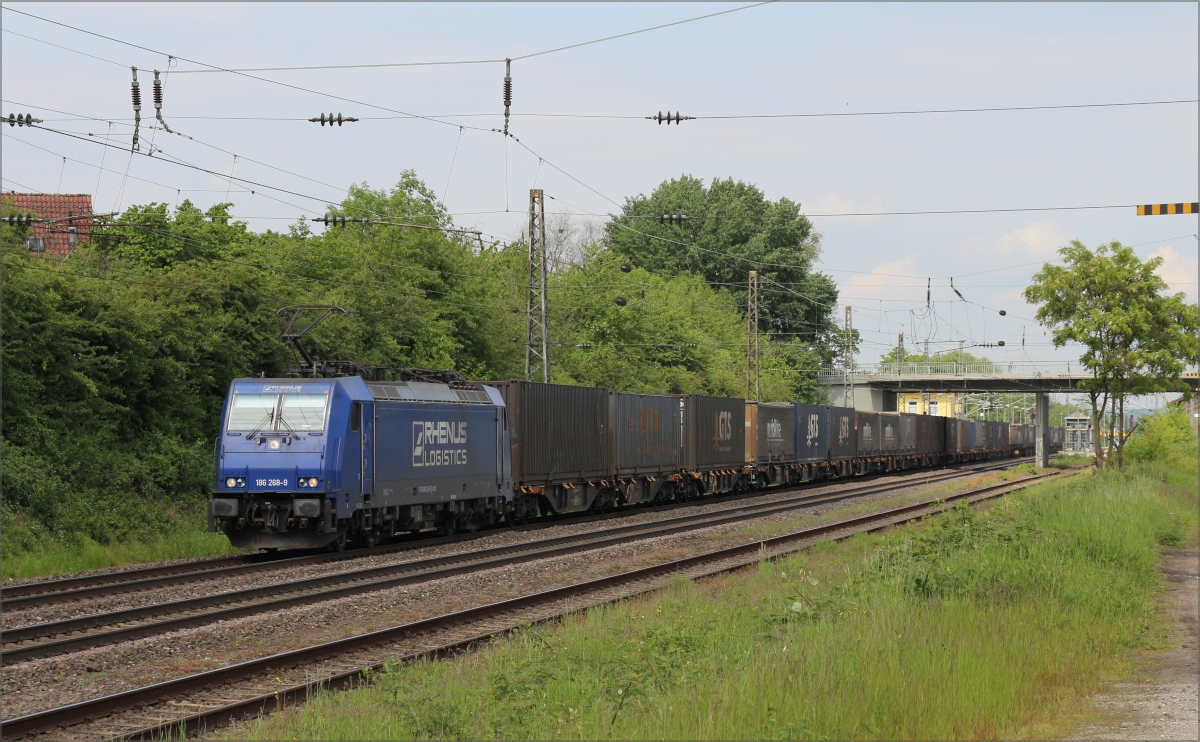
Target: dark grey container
[
  {"x": 868, "y": 433},
  {"x": 559, "y": 433},
  {"x": 776, "y": 432},
  {"x": 889, "y": 432},
  {"x": 843, "y": 437},
  {"x": 908, "y": 433},
  {"x": 646, "y": 433},
  {"x": 714, "y": 432},
  {"x": 930, "y": 433},
  {"x": 958, "y": 436},
  {"x": 812, "y": 433}
]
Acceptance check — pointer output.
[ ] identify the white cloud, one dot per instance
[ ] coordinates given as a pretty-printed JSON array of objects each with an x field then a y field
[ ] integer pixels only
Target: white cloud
[
  {"x": 1177, "y": 269},
  {"x": 833, "y": 202},
  {"x": 890, "y": 280},
  {"x": 1034, "y": 241}
]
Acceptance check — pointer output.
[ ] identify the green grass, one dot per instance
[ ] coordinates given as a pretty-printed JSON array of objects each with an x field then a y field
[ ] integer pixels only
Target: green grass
[
  {"x": 52, "y": 557},
  {"x": 976, "y": 624}
]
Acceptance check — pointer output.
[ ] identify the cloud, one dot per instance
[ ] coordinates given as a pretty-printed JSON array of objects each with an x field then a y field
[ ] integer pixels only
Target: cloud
[
  {"x": 833, "y": 202},
  {"x": 1034, "y": 241},
  {"x": 1177, "y": 269},
  {"x": 890, "y": 280}
]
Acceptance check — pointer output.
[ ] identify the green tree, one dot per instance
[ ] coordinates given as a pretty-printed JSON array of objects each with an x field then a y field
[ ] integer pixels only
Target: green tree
[
  {"x": 730, "y": 228},
  {"x": 1136, "y": 337}
]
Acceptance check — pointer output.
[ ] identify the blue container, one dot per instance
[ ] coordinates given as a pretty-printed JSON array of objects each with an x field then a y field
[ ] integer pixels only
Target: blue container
[
  {"x": 843, "y": 438},
  {"x": 775, "y": 437},
  {"x": 812, "y": 433},
  {"x": 869, "y": 433}
]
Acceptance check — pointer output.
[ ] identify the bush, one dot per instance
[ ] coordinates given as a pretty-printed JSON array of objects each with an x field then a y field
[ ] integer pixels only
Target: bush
[{"x": 1162, "y": 436}]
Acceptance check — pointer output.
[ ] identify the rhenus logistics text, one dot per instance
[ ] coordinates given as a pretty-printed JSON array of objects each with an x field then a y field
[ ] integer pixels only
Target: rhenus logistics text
[{"x": 435, "y": 443}]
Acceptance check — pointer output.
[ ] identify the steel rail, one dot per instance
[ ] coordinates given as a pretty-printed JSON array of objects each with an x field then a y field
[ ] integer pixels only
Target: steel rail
[
  {"x": 92, "y": 709},
  {"x": 48, "y": 592},
  {"x": 385, "y": 577}
]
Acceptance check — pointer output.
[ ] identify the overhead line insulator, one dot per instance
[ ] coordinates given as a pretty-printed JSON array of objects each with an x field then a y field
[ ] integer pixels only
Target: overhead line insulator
[
  {"x": 22, "y": 119},
  {"x": 669, "y": 118},
  {"x": 331, "y": 119},
  {"x": 20, "y": 220},
  {"x": 673, "y": 219},
  {"x": 158, "y": 100},
  {"x": 137, "y": 110},
  {"x": 507, "y": 92},
  {"x": 339, "y": 220}
]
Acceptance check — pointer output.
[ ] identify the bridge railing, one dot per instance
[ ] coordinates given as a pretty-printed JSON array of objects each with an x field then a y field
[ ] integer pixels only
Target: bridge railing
[{"x": 989, "y": 369}]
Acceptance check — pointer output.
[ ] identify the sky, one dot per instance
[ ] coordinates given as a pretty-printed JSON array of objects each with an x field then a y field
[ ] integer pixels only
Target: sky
[{"x": 768, "y": 59}]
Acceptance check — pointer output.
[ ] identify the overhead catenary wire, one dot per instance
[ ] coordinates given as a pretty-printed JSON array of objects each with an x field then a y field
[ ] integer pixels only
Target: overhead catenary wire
[{"x": 242, "y": 74}]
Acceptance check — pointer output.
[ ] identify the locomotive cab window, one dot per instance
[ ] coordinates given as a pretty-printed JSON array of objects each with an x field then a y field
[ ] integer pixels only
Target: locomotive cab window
[
  {"x": 302, "y": 412},
  {"x": 276, "y": 412},
  {"x": 356, "y": 417},
  {"x": 250, "y": 411}
]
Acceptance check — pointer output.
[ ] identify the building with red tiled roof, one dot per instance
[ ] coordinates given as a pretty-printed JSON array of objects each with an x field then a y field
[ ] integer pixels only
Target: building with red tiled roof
[{"x": 67, "y": 219}]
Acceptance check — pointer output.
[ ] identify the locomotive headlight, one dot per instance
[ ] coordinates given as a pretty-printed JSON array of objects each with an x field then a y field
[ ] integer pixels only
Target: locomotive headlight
[
  {"x": 231, "y": 482},
  {"x": 312, "y": 482}
]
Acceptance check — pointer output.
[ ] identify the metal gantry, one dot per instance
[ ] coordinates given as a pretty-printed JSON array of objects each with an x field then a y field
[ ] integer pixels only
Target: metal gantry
[
  {"x": 537, "y": 335},
  {"x": 848, "y": 361},
  {"x": 752, "y": 365}
]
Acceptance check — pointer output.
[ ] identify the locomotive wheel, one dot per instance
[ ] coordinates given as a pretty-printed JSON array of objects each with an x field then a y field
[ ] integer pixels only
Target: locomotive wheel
[
  {"x": 371, "y": 539},
  {"x": 339, "y": 543}
]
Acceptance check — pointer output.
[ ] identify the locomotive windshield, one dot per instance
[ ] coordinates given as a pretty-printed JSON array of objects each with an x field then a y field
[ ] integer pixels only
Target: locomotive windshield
[
  {"x": 302, "y": 411},
  {"x": 287, "y": 412}
]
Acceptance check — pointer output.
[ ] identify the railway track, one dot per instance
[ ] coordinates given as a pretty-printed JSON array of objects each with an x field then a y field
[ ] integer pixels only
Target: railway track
[
  {"x": 203, "y": 700},
  {"x": 35, "y": 641},
  {"x": 84, "y": 587}
]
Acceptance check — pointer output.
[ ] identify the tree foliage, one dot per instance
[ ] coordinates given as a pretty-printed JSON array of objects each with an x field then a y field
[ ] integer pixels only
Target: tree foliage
[
  {"x": 1136, "y": 337},
  {"x": 116, "y": 360},
  {"x": 730, "y": 228}
]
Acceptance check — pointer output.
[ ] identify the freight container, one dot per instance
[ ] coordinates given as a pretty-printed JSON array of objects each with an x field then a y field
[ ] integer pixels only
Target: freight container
[
  {"x": 867, "y": 433},
  {"x": 908, "y": 433},
  {"x": 889, "y": 432},
  {"x": 714, "y": 432},
  {"x": 646, "y": 433},
  {"x": 1001, "y": 436},
  {"x": 958, "y": 435},
  {"x": 843, "y": 437},
  {"x": 776, "y": 431},
  {"x": 559, "y": 433},
  {"x": 979, "y": 435},
  {"x": 812, "y": 434},
  {"x": 930, "y": 434}
]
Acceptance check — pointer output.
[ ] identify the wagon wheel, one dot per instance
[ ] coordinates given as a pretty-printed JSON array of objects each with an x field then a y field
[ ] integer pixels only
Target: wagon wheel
[{"x": 339, "y": 543}]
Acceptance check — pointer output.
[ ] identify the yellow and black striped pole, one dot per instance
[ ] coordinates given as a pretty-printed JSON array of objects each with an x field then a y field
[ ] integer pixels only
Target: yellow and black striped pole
[{"x": 1166, "y": 209}]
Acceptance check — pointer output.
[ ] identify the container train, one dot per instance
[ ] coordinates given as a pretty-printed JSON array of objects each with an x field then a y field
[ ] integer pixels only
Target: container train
[{"x": 307, "y": 463}]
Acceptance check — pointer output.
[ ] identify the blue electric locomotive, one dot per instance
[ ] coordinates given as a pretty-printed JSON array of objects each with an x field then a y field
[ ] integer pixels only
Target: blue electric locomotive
[{"x": 311, "y": 462}]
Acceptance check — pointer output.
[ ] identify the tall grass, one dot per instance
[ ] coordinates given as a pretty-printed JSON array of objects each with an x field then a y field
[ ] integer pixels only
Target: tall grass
[
  {"x": 52, "y": 557},
  {"x": 978, "y": 624}
]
